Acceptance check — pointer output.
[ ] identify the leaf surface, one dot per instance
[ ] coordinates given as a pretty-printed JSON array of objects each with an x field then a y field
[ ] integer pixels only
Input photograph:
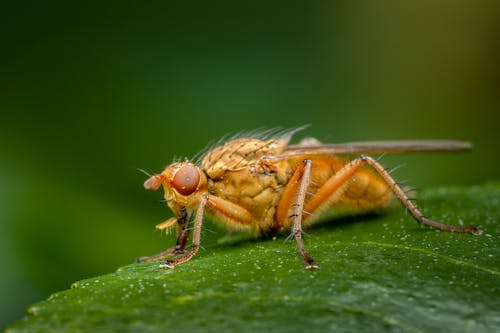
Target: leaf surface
[{"x": 381, "y": 273}]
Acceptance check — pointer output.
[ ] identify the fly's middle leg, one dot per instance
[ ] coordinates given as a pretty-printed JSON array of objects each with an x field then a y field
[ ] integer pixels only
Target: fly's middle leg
[{"x": 295, "y": 194}]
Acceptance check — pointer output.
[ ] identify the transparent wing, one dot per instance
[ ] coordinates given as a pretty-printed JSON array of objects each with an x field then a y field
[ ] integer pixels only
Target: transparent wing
[{"x": 313, "y": 147}]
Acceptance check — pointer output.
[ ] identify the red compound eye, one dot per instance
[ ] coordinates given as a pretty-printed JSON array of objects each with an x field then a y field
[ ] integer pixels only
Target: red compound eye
[{"x": 186, "y": 179}]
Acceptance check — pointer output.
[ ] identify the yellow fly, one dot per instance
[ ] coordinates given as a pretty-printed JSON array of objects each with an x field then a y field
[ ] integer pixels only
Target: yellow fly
[{"x": 265, "y": 185}]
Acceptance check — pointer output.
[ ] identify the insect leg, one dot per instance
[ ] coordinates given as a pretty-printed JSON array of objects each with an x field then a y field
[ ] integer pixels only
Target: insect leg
[
  {"x": 162, "y": 255},
  {"x": 233, "y": 215},
  {"x": 198, "y": 221},
  {"x": 295, "y": 192},
  {"x": 182, "y": 237},
  {"x": 182, "y": 231},
  {"x": 335, "y": 186},
  {"x": 415, "y": 212},
  {"x": 227, "y": 211}
]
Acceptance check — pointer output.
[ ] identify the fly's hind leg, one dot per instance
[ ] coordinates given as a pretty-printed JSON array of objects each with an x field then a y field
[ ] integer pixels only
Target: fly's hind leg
[
  {"x": 415, "y": 212},
  {"x": 334, "y": 187}
]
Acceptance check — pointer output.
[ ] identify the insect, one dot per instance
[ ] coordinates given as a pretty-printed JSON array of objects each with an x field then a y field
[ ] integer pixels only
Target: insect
[{"x": 265, "y": 185}]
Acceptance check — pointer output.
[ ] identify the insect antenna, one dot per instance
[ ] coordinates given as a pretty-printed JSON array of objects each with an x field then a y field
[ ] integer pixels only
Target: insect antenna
[{"x": 144, "y": 172}]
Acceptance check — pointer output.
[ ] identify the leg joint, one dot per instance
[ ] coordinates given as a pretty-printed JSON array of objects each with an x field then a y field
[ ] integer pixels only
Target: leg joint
[{"x": 365, "y": 158}]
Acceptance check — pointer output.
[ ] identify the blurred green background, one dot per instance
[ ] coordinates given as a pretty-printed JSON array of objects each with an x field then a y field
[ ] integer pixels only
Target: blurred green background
[{"x": 89, "y": 93}]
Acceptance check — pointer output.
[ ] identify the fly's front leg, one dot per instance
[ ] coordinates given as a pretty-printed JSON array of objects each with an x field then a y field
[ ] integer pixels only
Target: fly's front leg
[
  {"x": 198, "y": 220},
  {"x": 182, "y": 237},
  {"x": 294, "y": 195},
  {"x": 182, "y": 231},
  {"x": 334, "y": 187},
  {"x": 228, "y": 212}
]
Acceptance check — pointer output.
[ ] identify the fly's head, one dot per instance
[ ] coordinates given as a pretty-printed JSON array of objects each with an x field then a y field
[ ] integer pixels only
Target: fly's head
[{"x": 183, "y": 183}]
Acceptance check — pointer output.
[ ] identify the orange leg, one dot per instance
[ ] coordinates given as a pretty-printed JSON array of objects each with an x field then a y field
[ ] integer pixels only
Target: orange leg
[
  {"x": 182, "y": 237},
  {"x": 332, "y": 190},
  {"x": 335, "y": 186},
  {"x": 196, "y": 237},
  {"x": 295, "y": 192},
  {"x": 225, "y": 210}
]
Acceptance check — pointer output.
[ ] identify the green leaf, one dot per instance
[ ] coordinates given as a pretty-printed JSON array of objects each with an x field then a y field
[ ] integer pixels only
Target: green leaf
[{"x": 379, "y": 273}]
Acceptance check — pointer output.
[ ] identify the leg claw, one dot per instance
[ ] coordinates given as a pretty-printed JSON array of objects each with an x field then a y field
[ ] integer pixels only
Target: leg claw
[
  {"x": 167, "y": 264},
  {"x": 312, "y": 265}
]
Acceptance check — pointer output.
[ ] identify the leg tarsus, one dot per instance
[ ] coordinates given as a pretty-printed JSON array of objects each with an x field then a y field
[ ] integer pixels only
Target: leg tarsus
[
  {"x": 309, "y": 261},
  {"x": 312, "y": 265},
  {"x": 182, "y": 237},
  {"x": 471, "y": 229},
  {"x": 167, "y": 264},
  {"x": 162, "y": 255},
  {"x": 410, "y": 206},
  {"x": 180, "y": 260},
  {"x": 198, "y": 221},
  {"x": 298, "y": 207}
]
